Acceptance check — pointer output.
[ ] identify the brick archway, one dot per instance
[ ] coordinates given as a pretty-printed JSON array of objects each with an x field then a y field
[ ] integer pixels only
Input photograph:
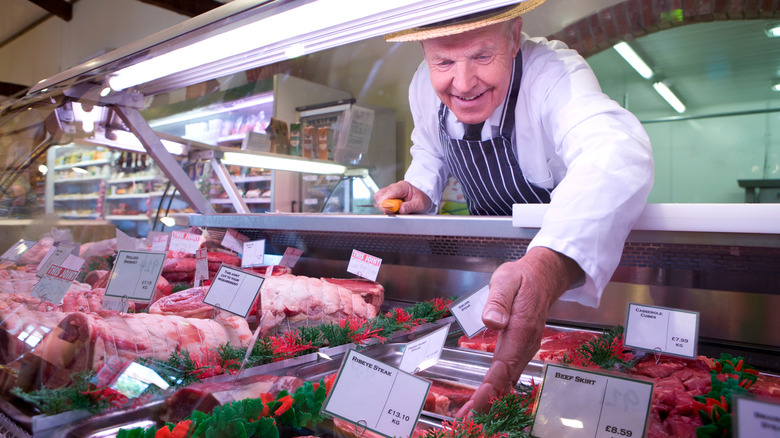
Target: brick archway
[{"x": 635, "y": 18}]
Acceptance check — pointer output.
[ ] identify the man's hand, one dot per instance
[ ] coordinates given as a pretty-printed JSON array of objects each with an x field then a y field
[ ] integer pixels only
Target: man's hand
[
  {"x": 414, "y": 200},
  {"x": 521, "y": 293}
]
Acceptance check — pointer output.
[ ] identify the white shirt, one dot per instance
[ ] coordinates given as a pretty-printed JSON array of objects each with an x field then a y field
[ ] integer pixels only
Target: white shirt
[{"x": 569, "y": 136}]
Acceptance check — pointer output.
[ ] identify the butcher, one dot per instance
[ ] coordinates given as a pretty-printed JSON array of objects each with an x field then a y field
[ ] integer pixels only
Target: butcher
[{"x": 518, "y": 120}]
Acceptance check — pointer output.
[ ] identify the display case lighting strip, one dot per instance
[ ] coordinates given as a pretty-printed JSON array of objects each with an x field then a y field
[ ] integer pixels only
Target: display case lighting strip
[
  {"x": 221, "y": 108},
  {"x": 307, "y": 27},
  {"x": 282, "y": 163}
]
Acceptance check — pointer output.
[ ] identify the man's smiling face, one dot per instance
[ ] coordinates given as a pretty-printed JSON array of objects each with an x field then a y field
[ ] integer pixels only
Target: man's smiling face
[{"x": 471, "y": 71}]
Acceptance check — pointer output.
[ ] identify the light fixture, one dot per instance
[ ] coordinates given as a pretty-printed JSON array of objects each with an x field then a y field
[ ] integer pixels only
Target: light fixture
[
  {"x": 275, "y": 162},
  {"x": 79, "y": 170},
  {"x": 43, "y": 169},
  {"x": 105, "y": 91},
  {"x": 168, "y": 221},
  {"x": 308, "y": 25},
  {"x": 212, "y": 110},
  {"x": 776, "y": 86},
  {"x": 129, "y": 142},
  {"x": 669, "y": 96},
  {"x": 773, "y": 30},
  {"x": 633, "y": 59}
]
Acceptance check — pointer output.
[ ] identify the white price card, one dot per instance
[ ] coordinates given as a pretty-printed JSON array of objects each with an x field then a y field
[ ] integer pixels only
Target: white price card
[
  {"x": 184, "y": 242},
  {"x": 159, "y": 241},
  {"x": 234, "y": 290},
  {"x": 392, "y": 405},
  {"x": 578, "y": 403},
  {"x": 18, "y": 249},
  {"x": 56, "y": 255},
  {"x": 253, "y": 253},
  {"x": 424, "y": 352},
  {"x": 662, "y": 329},
  {"x": 114, "y": 303},
  {"x": 201, "y": 266},
  {"x": 125, "y": 242},
  {"x": 756, "y": 418},
  {"x": 290, "y": 257},
  {"x": 54, "y": 284},
  {"x": 135, "y": 275},
  {"x": 364, "y": 265},
  {"x": 467, "y": 310},
  {"x": 234, "y": 240}
]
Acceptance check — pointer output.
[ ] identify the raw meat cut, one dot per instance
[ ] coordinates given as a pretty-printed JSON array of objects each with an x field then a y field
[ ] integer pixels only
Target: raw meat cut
[
  {"x": 205, "y": 396},
  {"x": 553, "y": 341},
  {"x": 299, "y": 300},
  {"x": 187, "y": 303},
  {"x": 21, "y": 329},
  {"x": 182, "y": 269},
  {"x": 447, "y": 397},
  {"x": 371, "y": 291},
  {"x": 556, "y": 346}
]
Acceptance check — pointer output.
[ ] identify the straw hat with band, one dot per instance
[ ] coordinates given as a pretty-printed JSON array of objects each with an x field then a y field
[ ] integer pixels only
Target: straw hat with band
[{"x": 463, "y": 24}]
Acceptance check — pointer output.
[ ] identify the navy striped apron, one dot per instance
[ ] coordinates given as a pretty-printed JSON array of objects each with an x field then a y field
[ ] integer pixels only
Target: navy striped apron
[{"x": 488, "y": 170}]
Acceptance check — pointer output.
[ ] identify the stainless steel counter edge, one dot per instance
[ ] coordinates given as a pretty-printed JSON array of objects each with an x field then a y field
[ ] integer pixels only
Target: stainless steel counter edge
[{"x": 456, "y": 226}]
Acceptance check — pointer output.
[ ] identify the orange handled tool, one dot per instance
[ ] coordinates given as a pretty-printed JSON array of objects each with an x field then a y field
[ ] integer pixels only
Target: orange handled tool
[{"x": 392, "y": 204}]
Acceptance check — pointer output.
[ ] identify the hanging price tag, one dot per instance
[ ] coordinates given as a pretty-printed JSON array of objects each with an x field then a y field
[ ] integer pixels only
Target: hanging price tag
[
  {"x": 135, "y": 275},
  {"x": 234, "y": 290},
  {"x": 364, "y": 265},
  {"x": 672, "y": 331},
  {"x": 125, "y": 242},
  {"x": 234, "y": 240},
  {"x": 578, "y": 404},
  {"x": 424, "y": 352},
  {"x": 184, "y": 242},
  {"x": 18, "y": 249},
  {"x": 54, "y": 284},
  {"x": 290, "y": 257},
  {"x": 159, "y": 241},
  {"x": 756, "y": 418},
  {"x": 56, "y": 256},
  {"x": 253, "y": 253},
  {"x": 201, "y": 266},
  {"x": 467, "y": 310},
  {"x": 391, "y": 407}
]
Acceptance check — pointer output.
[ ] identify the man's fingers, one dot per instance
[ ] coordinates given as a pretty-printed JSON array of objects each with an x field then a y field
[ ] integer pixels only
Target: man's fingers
[{"x": 503, "y": 287}]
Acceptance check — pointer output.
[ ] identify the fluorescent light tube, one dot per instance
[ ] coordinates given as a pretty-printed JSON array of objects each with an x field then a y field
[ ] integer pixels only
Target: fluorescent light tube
[
  {"x": 776, "y": 87},
  {"x": 670, "y": 97},
  {"x": 773, "y": 31},
  {"x": 220, "y": 108},
  {"x": 282, "y": 163},
  {"x": 633, "y": 59}
]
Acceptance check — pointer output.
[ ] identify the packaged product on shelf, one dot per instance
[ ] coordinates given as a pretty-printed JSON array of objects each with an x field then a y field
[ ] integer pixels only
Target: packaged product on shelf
[
  {"x": 307, "y": 151},
  {"x": 324, "y": 142},
  {"x": 295, "y": 139},
  {"x": 280, "y": 137}
]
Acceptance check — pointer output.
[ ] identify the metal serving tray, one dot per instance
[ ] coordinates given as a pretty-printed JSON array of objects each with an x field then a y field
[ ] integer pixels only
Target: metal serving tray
[{"x": 108, "y": 424}]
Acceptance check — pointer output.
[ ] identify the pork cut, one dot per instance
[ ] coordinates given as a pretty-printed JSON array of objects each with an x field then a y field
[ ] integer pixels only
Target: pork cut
[{"x": 187, "y": 303}]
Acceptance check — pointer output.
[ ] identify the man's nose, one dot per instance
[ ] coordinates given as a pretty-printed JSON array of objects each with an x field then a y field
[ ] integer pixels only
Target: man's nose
[{"x": 464, "y": 77}]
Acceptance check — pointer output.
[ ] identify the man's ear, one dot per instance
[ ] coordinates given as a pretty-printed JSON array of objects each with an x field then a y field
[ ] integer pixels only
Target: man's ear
[{"x": 517, "y": 27}]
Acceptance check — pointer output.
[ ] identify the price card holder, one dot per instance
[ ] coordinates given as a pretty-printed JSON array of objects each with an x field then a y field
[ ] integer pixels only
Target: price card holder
[
  {"x": 135, "y": 275},
  {"x": 390, "y": 408},
  {"x": 756, "y": 417},
  {"x": 424, "y": 352},
  {"x": 18, "y": 249},
  {"x": 234, "y": 240},
  {"x": 364, "y": 265},
  {"x": 201, "y": 266},
  {"x": 234, "y": 290},
  {"x": 253, "y": 254},
  {"x": 467, "y": 310},
  {"x": 578, "y": 403},
  {"x": 184, "y": 242},
  {"x": 662, "y": 329},
  {"x": 290, "y": 257}
]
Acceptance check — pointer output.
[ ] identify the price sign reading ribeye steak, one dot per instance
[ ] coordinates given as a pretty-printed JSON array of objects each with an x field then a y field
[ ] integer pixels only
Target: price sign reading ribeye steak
[
  {"x": 234, "y": 240},
  {"x": 467, "y": 310},
  {"x": 376, "y": 396},
  {"x": 290, "y": 257},
  {"x": 18, "y": 249},
  {"x": 364, "y": 265},
  {"x": 184, "y": 242},
  {"x": 56, "y": 256},
  {"x": 424, "y": 352},
  {"x": 55, "y": 283},
  {"x": 253, "y": 253},
  {"x": 672, "y": 331},
  {"x": 577, "y": 403},
  {"x": 234, "y": 290},
  {"x": 135, "y": 275},
  {"x": 756, "y": 418}
]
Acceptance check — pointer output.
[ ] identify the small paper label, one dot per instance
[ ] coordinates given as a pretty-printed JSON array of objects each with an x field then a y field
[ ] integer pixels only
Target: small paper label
[
  {"x": 467, "y": 310},
  {"x": 290, "y": 257},
  {"x": 184, "y": 242},
  {"x": 577, "y": 403},
  {"x": 234, "y": 240},
  {"x": 662, "y": 330},
  {"x": 160, "y": 241},
  {"x": 364, "y": 265},
  {"x": 201, "y": 266},
  {"x": 114, "y": 303},
  {"x": 56, "y": 255},
  {"x": 253, "y": 254},
  {"x": 391, "y": 407},
  {"x": 756, "y": 418},
  {"x": 124, "y": 242},
  {"x": 424, "y": 352},
  {"x": 18, "y": 249},
  {"x": 234, "y": 290},
  {"x": 55, "y": 283},
  {"x": 135, "y": 275}
]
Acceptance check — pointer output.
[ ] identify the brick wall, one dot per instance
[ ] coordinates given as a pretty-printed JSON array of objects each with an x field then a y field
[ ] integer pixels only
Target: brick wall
[{"x": 635, "y": 18}]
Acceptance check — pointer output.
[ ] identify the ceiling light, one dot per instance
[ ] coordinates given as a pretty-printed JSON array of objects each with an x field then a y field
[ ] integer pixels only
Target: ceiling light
[
  {"x": 669, "y": 96},
  {"x": 776, "y": 86},
  {"x": 43, "y": 169},
  {"x": 269, "y": 161},
  {"x": 634, "y": 59},
  {"x": 773, "y": 30}
]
